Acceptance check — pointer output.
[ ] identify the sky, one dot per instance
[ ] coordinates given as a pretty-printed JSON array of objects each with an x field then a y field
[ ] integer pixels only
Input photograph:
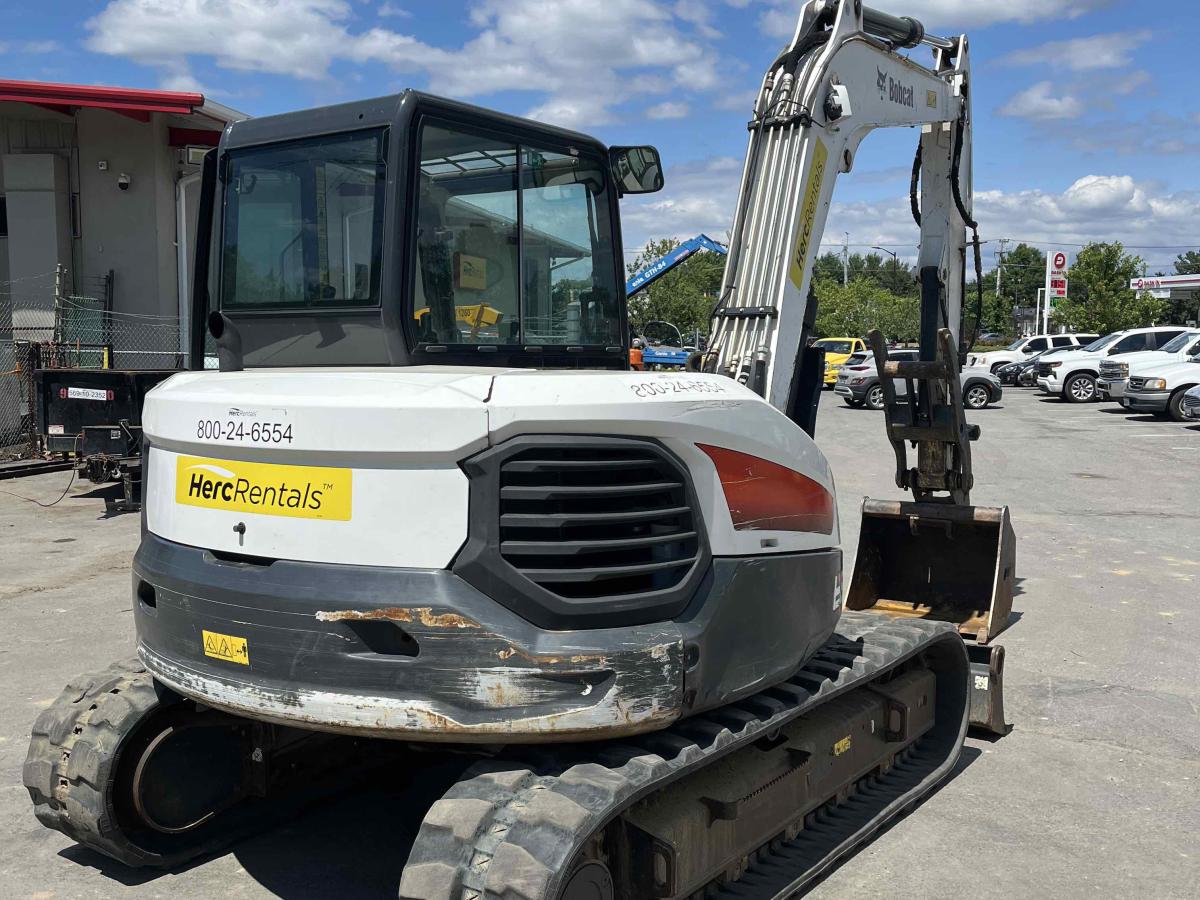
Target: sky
[{"x": 1086, "y": 125}]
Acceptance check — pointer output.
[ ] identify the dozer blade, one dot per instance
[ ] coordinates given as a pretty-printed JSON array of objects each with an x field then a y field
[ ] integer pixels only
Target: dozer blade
[
  {"x": 950, "y": 563},
  {"x": 936, "y": 561}
]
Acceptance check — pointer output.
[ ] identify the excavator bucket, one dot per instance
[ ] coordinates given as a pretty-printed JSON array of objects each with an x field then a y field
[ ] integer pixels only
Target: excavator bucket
[
  {"x": 946, "y": 562},
  {"x": 936, "y": 561}
]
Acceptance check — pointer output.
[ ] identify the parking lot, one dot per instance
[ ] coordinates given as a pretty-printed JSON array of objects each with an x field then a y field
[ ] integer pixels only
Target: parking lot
[{"x": 1094, "y": 793}]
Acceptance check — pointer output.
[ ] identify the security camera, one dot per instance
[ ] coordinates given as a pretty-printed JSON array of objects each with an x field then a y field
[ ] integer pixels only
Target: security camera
[{"x": 123, "y": 181}]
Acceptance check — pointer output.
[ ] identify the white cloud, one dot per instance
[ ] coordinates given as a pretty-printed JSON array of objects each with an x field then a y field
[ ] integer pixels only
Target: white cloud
[
  {"x": 1153, "y": 134},
  {"x": 1037, "y": 102},
  {"x": 394, "y": 10},
  {"x": 1100, "y": 51},
  {"x": 947, "y": 16},
  {"x": 581, "y": 56},
  {"x": 699, "y": 197},
  {"x": 667, "y": 110},
  {"x": 31, "y": 48}
]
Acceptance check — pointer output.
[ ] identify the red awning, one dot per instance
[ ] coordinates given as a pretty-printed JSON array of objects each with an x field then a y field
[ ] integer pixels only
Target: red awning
[{"x": 132, "y": 102}]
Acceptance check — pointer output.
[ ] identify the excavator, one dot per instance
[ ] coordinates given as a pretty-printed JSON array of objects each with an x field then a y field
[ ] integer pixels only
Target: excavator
[{"x": 616, "y": 596}]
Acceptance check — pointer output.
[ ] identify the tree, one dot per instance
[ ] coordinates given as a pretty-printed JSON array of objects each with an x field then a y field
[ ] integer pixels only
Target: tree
[
  {"x": 893, "y": 275},
  {"x": 853, "y": 309},
  {"x": 1100, "y": 297},
  {"x": 1188, "y": 263},
  {"x": 684, "y": 296}
]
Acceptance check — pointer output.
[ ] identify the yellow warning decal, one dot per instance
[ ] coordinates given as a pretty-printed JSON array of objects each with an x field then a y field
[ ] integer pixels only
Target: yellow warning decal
[
  {"x": 841, "y": 746},
  {"x": 808, "y": 211},
  {"x": 303, "y": 492},
  {"x": 226, "y": 647}
]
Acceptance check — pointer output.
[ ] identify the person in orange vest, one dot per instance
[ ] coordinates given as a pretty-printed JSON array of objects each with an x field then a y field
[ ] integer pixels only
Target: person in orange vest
[{"x": 635, "y": 356}]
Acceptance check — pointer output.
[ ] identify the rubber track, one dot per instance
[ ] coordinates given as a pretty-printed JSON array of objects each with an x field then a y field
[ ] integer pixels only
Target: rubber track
[
  {"x": 70, "y": 765},
  {"x": 512, "y": 829}
]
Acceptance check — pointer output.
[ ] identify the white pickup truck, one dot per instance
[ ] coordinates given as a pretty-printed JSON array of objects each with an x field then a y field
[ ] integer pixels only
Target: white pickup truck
[
  {"x": 1114, "y": 373},
  {"x": 1073, "y": 376},
  {"x": 1023, "y": 348},
  {"x": 1163, "y": 389}
]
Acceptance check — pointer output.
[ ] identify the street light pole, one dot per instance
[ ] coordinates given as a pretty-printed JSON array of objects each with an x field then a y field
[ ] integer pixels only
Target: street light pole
[{"x": 895, "y": 261}]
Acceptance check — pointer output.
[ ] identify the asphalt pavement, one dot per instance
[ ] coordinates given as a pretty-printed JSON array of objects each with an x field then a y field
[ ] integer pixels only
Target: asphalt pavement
[{"x": 1094, "y": 794}]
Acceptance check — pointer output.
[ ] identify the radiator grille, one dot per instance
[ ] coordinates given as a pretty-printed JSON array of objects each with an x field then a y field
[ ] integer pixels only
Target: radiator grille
[
  {"x": 1136, "y": 383},
  {"x": 597, "y": 522}
]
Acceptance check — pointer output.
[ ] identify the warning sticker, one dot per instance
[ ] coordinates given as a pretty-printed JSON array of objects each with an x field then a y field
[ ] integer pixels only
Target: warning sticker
[
  {"x": 226, "y": 647},
  {"x": 841, "y": 746}
]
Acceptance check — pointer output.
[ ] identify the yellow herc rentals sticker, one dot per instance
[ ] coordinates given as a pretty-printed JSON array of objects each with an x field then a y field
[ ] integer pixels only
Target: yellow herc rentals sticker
[
  {"x": 302, "y": 492},
  {"x": 808, "y": 211},
  {"x": 226, "y": 647}
]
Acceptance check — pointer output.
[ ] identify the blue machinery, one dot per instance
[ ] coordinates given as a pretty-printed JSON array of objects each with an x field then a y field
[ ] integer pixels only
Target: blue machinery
[
  {"x": 668, "y": 356},
  {"x": 664, "y": 264}
]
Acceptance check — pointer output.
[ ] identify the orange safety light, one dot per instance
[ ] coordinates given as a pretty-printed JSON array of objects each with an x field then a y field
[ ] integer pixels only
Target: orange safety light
[{"x": 765, "y": 496}]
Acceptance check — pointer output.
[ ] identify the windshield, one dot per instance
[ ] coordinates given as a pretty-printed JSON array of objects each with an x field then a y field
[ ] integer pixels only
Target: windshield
[
  {"x": 514, "y": 245},
  {"x": 834, "y": 346},
  {"x": 1016, "y": 345},
  {"x": 303, "y": 223},
  {"x": 1178, "y": 342},
  {"x": 1106, "y": 341}
]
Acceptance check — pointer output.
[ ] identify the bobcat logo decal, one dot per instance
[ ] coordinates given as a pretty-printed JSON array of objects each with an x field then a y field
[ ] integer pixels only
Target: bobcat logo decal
[{"x": 881, "y": 80}]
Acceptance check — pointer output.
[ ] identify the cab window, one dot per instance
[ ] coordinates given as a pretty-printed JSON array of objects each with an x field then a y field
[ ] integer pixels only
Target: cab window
[
  {"x": 1161, "y": 338},
  {"x": 1062, "y": 341},
  {"x": 1131, "y": 343},
  {"x": 303, "y": 223},
  {"x": 1035, "y": 345},
  {"x": 513, "y": 244}
]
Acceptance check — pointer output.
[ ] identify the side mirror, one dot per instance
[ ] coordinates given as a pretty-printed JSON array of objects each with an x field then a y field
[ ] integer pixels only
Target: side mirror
[{"x": 636, "y": 170}]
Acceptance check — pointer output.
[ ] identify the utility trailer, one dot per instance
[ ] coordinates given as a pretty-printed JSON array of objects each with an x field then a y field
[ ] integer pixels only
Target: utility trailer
[{"x": 93, "y": 417}]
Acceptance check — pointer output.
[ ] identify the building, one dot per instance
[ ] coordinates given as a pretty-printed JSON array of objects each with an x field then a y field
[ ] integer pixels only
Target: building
[
  {"x": 98, "y": 195},
  {"x": 100, "y": 180},
  {"x": 1182, "y": 291}
]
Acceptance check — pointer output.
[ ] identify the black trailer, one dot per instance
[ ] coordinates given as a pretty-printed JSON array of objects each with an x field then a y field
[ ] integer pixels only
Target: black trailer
[{"x": 94, "y": 416}]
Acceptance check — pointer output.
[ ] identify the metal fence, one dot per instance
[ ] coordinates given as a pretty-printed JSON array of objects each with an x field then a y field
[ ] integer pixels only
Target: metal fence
[{"x": 45, "y": 325}]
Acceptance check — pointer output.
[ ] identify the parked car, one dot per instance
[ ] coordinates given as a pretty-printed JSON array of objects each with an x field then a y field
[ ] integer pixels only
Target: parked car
[
  {"x": 1162, "y": 390},
  {"x": 1191, "y": 404},
  {"x": 1074, "y": 376},
  {"x": 859, "y": 384},
  {"x": 1114, "y": 373},
  {"x": 1024, "y": 347},
  {"x": 837, "y": 351},
  {"x": 1023, "y": 372}
]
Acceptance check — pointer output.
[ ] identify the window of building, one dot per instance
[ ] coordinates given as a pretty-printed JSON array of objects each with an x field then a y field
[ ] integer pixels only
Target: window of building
[{"x": 303, "y": 223}]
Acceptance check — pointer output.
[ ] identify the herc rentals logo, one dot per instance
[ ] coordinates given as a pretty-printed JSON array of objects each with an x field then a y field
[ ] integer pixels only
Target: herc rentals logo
[{"x": 302, "y": 492}]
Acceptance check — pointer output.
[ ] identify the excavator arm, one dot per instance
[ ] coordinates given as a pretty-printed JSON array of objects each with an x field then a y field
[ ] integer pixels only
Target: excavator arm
[{"x": 843, "y": 75}]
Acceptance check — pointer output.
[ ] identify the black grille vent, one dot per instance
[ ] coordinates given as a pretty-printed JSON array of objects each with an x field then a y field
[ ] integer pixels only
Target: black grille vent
[
  {"x": 584, "y": 531},
  {"x": 1044, "y": 368},
  {"x": 597, "y": 522},
  {"x": 1136, "y": 383}
]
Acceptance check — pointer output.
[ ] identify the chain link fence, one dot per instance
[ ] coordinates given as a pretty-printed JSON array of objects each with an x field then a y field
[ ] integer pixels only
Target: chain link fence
[{"x": 43, "y": 325}]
